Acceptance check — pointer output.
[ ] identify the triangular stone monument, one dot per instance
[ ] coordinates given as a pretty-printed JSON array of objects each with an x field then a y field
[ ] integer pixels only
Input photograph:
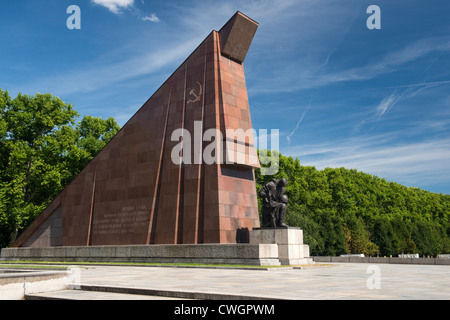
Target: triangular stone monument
[{"x": 133, "y": 192}]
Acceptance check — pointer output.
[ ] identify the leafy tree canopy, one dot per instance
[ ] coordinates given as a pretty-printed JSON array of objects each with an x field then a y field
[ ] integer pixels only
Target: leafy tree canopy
[{"x": 42, "y": 148}]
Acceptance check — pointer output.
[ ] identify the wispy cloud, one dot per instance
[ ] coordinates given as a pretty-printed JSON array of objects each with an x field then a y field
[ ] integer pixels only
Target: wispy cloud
[
  {"x": 317, "y": 74},
  {"x": 415, "y": 163},
  {"x": 153, "y": 18},
  {"x": 385, "y": 105},
  {"x": 395, "y": 59},
  {"x": 424, "y": 84},
  {"x": 102, "y": 73},
  {"x": 114, "y": 5},
  {"x": 410, "y": 91}
]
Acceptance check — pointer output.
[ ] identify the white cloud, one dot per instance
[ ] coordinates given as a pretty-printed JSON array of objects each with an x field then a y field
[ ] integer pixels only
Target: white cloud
[
  {"x": 114, "y": 5},
  {"x": 391, "y": 61},
  {"x": 422, "y": 84},
  {"x": 102, "y": 73},
  {"x": 385, "y": 105},
  {"x": 314, "y": 73},
  {"x": 153, "y": 18}
]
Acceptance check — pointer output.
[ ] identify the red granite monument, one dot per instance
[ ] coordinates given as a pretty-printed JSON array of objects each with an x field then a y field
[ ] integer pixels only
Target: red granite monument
[{"x": 133, "y": 192}]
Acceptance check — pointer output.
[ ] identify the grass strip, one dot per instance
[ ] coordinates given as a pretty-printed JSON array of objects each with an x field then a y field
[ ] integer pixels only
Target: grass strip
[{"x": 56, "y": 264}]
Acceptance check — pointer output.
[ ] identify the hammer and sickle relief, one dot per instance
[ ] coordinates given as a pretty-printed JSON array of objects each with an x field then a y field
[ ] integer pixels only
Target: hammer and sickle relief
[{"x": 193, "y": 93}]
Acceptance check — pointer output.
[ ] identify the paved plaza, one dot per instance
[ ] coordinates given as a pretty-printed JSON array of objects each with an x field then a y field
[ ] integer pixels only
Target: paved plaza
[{"x": 323, "y": 281}]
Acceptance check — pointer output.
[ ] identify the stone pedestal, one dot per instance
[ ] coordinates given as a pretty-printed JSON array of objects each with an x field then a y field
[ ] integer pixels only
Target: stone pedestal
[
  {"x": 291, "y": 249},
  {"x": 242, "y": 253}
]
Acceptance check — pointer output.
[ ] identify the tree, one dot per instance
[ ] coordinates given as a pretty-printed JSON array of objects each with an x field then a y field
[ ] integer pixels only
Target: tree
[
  {"x": 403, "y": 236},
  {"x": 31, "y": 168},
  {"x": 383, "y": 235},
  {"x": 92, "y": 134},
  {"x": 299, "y": 216},
  {"x": 41, "y": 151},
  {"x": 358, "y": 237},
  {"x": 331, "y": 235},
  {"x": 427, "y": 238}
]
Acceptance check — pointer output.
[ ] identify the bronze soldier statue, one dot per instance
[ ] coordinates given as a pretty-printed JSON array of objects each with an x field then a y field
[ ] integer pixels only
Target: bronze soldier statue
[{"x": 274, "y": 203}]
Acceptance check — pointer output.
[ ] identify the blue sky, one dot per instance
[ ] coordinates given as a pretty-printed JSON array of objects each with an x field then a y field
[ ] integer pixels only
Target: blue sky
[{"x": 340, "y": 94}]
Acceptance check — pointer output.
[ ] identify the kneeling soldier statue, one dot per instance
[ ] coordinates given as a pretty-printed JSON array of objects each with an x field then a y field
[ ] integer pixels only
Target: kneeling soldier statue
[{"x": 274, "y": 203}]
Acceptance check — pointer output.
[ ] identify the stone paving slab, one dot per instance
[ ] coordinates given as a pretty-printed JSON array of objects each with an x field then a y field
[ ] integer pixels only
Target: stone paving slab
[{"x": 330, "y": 281}]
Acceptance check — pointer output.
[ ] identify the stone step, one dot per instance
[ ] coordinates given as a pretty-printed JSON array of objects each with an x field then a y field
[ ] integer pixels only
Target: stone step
[
  {"x": 101, "y": 292},
  {"x": 92, "y": 295}
]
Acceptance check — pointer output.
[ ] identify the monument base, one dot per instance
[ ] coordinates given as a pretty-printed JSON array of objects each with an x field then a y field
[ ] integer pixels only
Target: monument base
[
  {"x": 245, "y": 254},
  {"x": 267, "y": 247},
  {"x": 291, "y": 249}
]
